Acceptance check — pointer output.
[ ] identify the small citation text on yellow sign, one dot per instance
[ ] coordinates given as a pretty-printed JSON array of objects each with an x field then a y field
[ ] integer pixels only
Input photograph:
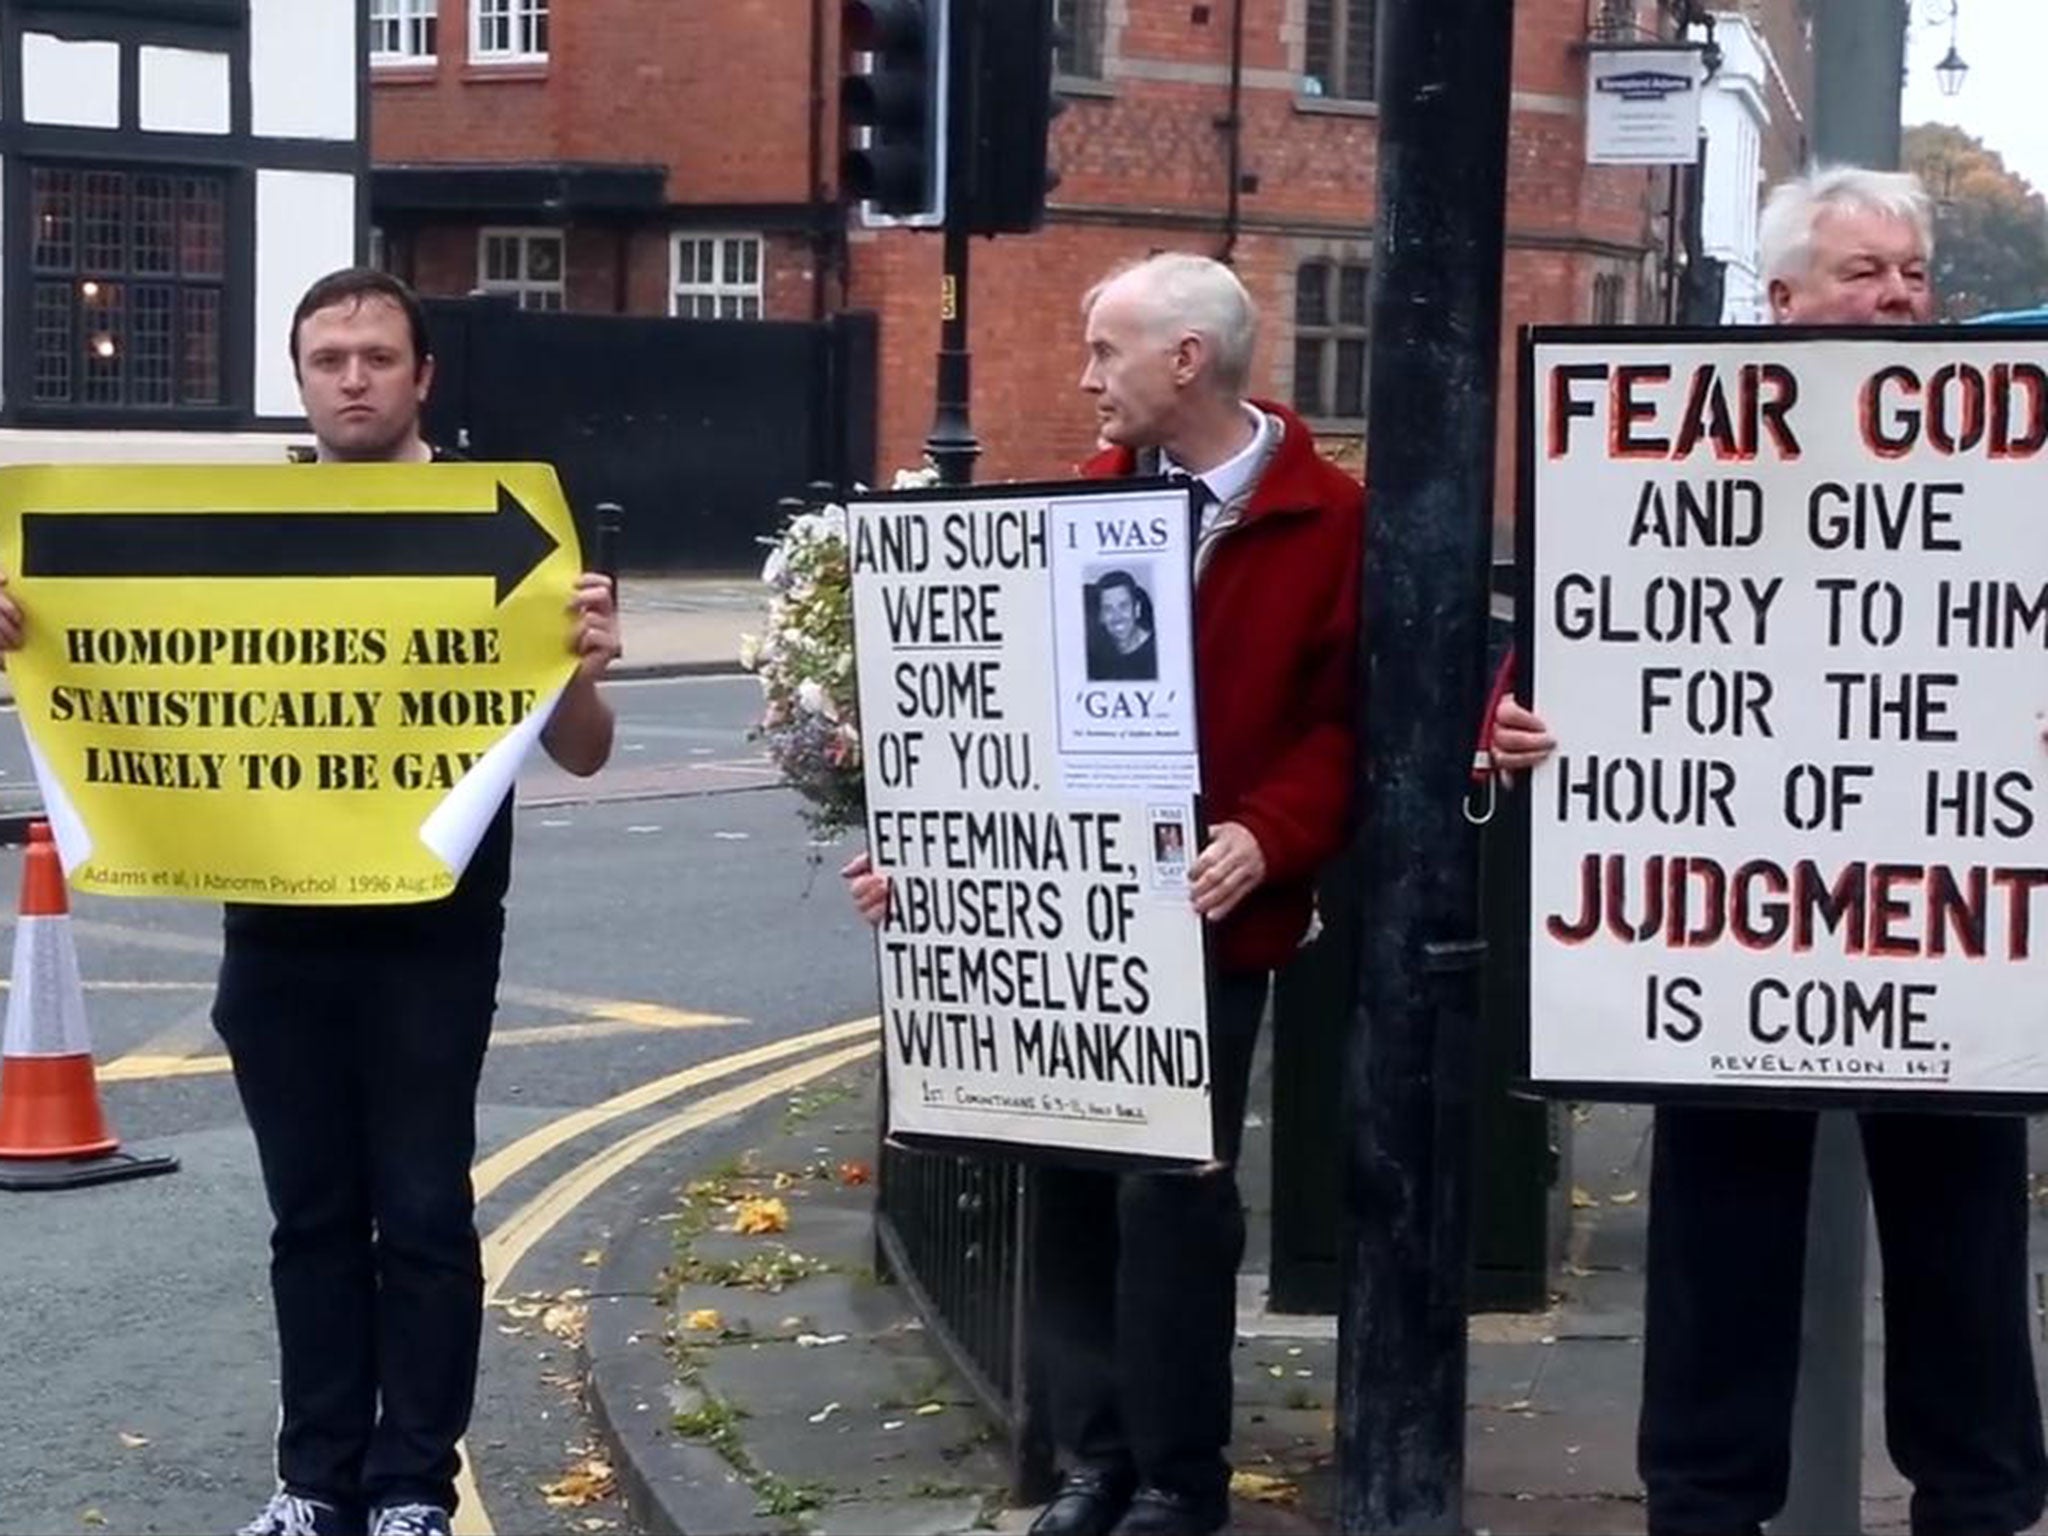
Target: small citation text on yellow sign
[{"x": 302, "y": 684}]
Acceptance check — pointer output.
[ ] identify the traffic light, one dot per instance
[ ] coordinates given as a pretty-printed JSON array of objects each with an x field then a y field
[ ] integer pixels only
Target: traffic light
[
  {"x": 1013, "y": 105},
  {"x": 894, "y": 106}
]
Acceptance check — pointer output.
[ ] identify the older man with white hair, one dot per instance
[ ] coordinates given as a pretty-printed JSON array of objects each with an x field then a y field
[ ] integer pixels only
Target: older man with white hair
[
  {"x": 1135, "y": 1288},
  {"x": 1728, "y": 1191}
]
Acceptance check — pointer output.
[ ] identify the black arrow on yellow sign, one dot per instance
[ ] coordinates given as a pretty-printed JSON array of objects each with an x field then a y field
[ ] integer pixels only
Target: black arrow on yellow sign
[{"x": 506, "y": 545}]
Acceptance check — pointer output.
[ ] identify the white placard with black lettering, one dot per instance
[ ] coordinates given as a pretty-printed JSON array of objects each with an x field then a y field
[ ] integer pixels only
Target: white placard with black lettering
[
  {"x": 1042, "y": 970},
  {"x": 1788, "y": 621}
]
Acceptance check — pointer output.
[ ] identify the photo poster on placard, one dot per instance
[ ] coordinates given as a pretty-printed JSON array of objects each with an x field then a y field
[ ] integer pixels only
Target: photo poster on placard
[
  {"x": 1785, "y": 614},
  {"x": 1043, "y": 974},
  {"x": 1123, "y": 650}
]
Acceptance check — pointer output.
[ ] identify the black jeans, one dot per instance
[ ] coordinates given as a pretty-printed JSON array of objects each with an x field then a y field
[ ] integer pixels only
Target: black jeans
[
  {"x": 1728, "y": 1200},
  {"x": 1135, "y": 1290},
  {"x": 358, "y": 1069}
]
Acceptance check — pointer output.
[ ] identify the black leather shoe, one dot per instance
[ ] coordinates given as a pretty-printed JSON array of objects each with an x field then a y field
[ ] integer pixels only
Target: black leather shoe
[
  {"x": 1088, "y": 1504},
  {"x": 1162, "y": 1512}
]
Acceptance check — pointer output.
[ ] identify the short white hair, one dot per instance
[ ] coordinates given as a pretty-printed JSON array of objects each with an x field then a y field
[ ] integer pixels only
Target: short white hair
[
  {"x": 1785, "y": 236},
  {"x": 1188, "y": 293}
]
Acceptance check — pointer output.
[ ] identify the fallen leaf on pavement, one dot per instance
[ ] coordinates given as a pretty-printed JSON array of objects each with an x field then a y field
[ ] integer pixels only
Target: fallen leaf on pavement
[
  {"x": 785, "y": 1181},
  {"x": 593, "y": 1258},
  {"x": 1263, "y": 1488},
  {"x": 92, "y": 1517},
  {"x": 134, "y": 1442},
  {"x": 585, "y": 1483},
  {"x": 926, "y": 1410},
  {"x": 758, "y": 1214},
  {"x": 1581, "y": 1201},
  {"x": 566, "y": 1320},
  {"x": 851, "y": 1173},
  {"x": 704, "y": 1320}
]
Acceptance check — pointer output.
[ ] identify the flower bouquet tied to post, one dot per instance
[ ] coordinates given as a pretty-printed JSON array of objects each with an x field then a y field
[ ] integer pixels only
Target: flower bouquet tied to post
[{"x": 810, "y": 718}]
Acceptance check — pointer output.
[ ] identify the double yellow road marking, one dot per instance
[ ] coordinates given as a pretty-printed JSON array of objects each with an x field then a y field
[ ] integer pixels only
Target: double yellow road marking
[{"x": 513, "y": 1238}]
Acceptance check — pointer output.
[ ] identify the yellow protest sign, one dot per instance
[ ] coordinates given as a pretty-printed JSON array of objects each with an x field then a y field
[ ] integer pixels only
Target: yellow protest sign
[{"x": 308, "y": 684}]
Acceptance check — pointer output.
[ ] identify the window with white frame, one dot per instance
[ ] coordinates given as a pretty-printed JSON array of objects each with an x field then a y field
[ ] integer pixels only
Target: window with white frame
[
  {"x": 508, "y": 29},
  {"x": 403, "y": 31},
  {"x": 717, "y": 277},
  {"x": 525, "y": 263}
]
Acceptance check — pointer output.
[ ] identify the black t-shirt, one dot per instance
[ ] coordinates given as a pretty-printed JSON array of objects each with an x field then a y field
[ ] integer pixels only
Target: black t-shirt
[
  {"x": 476, "y": 907},
  {"x": 1107, "y": 664}
]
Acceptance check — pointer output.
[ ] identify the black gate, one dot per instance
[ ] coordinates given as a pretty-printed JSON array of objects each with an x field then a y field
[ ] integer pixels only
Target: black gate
[{"x": 696, "y": 427}]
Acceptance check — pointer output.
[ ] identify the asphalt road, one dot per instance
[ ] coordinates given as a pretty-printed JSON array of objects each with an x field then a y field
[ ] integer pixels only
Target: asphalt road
[{"x": 669, "y": 933}]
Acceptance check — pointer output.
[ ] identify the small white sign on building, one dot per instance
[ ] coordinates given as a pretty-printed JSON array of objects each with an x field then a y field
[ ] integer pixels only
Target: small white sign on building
[{"x": 1642, "y": 106}]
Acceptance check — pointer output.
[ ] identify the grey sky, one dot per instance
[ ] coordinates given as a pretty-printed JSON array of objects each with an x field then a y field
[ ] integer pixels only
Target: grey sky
[{"x": 2005, "y": 43}]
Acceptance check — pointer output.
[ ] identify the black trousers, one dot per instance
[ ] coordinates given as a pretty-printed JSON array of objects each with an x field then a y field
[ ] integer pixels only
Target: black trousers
[
  {"x": 1134, "y": 1296},
  {"x": 358, "y": 1069},
  {"x": 1727, "y": 1252}
]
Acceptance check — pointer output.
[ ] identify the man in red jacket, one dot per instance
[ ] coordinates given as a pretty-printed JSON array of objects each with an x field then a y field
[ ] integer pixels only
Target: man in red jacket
[{"x": 1136, "y": 1274}]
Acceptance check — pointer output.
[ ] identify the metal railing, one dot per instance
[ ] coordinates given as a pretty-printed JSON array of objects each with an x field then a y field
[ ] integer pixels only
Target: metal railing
[{"x": 952, "y": 1232}]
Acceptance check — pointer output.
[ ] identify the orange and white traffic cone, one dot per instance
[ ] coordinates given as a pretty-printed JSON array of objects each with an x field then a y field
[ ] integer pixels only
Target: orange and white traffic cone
[{"x": 52, "y": 1132}]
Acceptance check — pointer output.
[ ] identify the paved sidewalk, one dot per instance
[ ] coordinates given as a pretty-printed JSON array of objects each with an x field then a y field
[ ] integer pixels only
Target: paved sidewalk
[
  {"x": 687, "y": 625},
  {"x": 821, "y": 1405}
]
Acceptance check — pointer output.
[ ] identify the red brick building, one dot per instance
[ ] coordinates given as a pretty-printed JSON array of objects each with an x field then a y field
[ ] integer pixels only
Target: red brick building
[{"x": 652, "y": 157}]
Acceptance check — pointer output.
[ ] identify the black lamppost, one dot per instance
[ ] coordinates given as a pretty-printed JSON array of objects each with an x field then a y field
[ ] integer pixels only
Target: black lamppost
[{"x": 1950, "y": 73}]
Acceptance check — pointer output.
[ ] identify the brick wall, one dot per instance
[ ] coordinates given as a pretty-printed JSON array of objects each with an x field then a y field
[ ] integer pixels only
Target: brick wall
[
  {"x": 1143, "y": 167},
  {"x": 721, "y": 95}
]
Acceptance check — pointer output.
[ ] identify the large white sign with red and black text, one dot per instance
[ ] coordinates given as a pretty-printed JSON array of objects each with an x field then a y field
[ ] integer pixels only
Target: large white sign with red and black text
[{"x": 1788, "y": 620}]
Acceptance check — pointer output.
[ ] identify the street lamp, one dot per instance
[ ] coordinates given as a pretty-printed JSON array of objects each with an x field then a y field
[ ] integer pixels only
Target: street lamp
[{"x": 1950, "y": 72}]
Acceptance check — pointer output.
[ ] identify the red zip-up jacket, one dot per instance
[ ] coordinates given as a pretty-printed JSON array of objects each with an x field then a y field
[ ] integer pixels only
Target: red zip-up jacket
[{"x": 1276, "y": 631}]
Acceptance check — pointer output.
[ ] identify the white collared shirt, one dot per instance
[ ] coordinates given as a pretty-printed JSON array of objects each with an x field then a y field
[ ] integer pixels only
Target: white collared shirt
[{"x": 1230, "y": 481}]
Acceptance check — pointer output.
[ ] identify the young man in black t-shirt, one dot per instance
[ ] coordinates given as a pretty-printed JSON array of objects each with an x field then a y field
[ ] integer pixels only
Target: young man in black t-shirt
[{"x": 357, "y": 1036}]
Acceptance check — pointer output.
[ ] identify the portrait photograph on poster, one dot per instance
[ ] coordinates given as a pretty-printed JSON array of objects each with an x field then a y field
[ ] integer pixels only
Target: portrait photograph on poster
[
  {"x": 1125, "y": 694},
  {"x": 1122, "y": 642}
]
